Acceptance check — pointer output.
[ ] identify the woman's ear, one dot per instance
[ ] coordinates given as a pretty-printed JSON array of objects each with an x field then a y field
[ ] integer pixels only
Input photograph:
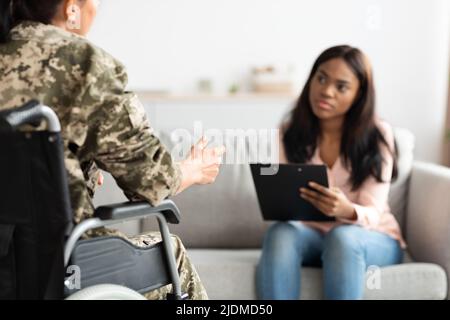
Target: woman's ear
[
  {"x": 65, "y": 6},
  {"x": 72, "y": 15}
]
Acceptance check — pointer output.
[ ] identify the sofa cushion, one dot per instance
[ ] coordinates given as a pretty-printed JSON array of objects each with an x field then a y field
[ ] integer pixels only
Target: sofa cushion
[
  {"x": 224, "y": 214},
  {"x": 230, "y": 274},
  {"x": 399, "y": 189},
  {"x": 221, "y": 215}
]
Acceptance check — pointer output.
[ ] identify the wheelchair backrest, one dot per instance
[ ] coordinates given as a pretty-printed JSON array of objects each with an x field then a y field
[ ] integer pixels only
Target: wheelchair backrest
[{"x": 34, "y": 205}]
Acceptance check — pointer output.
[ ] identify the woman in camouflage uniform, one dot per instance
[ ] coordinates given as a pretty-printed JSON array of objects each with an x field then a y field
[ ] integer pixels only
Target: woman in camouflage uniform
[{"x": 44, "y": 55}]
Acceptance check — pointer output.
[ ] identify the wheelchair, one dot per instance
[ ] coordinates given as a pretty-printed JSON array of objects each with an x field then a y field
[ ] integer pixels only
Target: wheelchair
[{"x": 42, "y": 255}]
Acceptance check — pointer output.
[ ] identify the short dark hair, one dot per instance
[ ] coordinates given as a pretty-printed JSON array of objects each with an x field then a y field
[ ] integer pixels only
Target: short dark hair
[{"x": 14, "y": 11}]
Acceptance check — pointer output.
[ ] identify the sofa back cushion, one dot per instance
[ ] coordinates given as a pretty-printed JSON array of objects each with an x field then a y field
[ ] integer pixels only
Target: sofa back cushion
[
  {"x": 226, "y": 213},
  {"x": 398, "y": 193}
]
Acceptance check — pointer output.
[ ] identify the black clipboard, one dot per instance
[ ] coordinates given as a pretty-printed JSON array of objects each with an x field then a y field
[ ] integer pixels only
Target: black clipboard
[{"x": 277, "y": 187}]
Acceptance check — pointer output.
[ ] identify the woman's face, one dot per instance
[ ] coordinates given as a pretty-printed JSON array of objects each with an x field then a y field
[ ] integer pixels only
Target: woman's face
[{"x": 333, "y": 89}]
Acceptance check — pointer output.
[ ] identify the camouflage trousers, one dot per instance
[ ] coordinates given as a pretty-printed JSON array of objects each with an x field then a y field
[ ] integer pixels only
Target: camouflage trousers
[{"x": 189, "y": 279}]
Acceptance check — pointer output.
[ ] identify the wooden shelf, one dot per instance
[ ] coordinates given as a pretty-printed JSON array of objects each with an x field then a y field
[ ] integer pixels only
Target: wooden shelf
[{"x": 151, "y": 96}]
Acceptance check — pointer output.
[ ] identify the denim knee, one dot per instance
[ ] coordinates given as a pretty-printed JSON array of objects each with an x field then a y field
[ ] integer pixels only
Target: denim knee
[
  {"x": 342, "y": 240},
  {"x": 281, "y": 234}
]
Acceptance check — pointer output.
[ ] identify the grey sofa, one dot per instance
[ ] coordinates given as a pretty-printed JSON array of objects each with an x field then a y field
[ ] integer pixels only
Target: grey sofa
[{"x": 222, "y": 229}]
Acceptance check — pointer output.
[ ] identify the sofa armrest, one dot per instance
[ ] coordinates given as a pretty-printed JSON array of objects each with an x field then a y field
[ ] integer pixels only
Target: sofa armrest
[{"x": 428, "y": 215}]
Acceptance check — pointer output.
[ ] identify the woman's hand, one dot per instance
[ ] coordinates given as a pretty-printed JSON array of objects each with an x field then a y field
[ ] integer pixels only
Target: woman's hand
[
  {"x": 201, "y": 166},
  {"x": 330, "y": 201},
  {"x": 100, "y": 179}
]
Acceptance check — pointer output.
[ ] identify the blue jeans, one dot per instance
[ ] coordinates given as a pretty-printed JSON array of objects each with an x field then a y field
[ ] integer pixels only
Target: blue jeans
[{"x": 344, "y": 253}]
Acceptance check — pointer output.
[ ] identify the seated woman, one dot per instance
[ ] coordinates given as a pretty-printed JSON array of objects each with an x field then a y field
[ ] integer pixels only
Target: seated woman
[
  {"x": 334, "y": 123},
  {"x": 44, "y": 56}
]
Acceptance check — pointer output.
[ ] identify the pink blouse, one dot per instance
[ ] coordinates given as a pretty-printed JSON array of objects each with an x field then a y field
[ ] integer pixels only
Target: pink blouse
[{"x": 370, "y": 200}]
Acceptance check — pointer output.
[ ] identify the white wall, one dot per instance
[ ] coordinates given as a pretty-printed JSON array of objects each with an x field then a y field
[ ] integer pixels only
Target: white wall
[{"x": 170, "y": 44}]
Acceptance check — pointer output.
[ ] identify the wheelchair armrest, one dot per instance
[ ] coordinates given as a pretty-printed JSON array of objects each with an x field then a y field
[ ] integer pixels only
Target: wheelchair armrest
[{"x": 138, "y": 210}]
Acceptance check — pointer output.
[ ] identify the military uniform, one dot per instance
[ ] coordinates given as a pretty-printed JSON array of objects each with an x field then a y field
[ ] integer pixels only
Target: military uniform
[{"x": 103, "y": 126}]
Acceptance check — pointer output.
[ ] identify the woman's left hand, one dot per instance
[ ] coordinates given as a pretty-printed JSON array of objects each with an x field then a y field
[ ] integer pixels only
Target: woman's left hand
[
  {"x": 330, "y": 201},
  {"x": 100, "y": 179}
]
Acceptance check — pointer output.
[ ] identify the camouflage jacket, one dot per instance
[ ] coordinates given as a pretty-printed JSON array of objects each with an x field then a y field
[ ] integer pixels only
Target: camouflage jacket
[{"x": 103, "y": 126}]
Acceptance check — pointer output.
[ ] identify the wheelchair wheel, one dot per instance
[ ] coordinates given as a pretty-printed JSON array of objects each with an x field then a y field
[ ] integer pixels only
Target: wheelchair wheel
[{"x": 106, "y": 292}]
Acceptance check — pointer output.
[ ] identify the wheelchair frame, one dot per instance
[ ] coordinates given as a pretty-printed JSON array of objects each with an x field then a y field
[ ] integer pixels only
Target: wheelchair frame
[{"x": 166, "y": 212}]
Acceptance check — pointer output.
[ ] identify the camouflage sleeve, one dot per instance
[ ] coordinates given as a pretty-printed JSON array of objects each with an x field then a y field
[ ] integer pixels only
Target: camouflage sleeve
[{"x": 120, "y": 139}]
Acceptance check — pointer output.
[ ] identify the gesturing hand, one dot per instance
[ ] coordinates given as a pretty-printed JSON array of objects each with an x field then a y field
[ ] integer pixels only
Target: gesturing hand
[{"x": 202, "y": 164}]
